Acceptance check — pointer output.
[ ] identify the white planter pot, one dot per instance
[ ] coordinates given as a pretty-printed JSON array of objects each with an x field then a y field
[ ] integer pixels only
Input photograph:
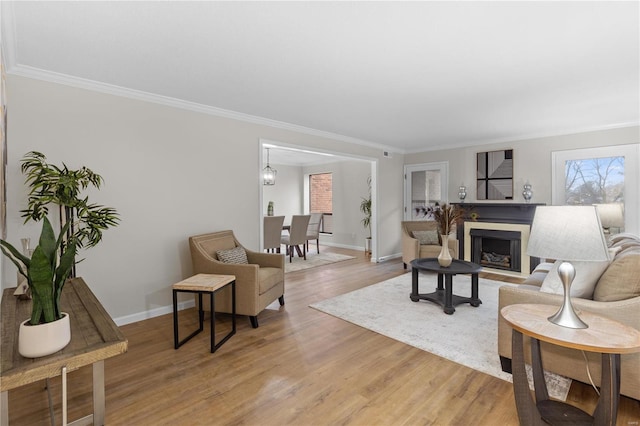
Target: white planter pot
[{"x": 44, "y": 339}]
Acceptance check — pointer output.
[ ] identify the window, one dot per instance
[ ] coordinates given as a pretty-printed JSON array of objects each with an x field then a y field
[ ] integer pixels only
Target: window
[
  {"x": 598, "y": 176},
  {"x": 594, "y": 181},
  {"x": 321, "y": 198}
]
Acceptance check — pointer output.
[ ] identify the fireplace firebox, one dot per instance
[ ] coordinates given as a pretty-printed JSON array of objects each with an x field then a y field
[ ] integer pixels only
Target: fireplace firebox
[{"x": 496, "y": 249}]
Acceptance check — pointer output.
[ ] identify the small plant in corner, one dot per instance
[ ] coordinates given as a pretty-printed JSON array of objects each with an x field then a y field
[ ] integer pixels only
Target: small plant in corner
[
  {"x": 365, "y": 208},
  {"x": 81, "y": 225}
]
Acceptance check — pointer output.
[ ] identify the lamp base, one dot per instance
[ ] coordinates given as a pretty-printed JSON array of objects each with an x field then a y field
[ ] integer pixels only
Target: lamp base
[{"x": 566, "y": 316}]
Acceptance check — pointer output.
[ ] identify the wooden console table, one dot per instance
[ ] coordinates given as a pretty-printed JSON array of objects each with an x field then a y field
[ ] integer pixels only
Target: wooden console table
[
  {"x": 94, "y": 337},
  {"x": 604, "y": 335}
]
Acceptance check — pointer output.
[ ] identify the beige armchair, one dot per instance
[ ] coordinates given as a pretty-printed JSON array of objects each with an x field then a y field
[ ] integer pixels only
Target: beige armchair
[
  {"x": 258, "y": 283},
  {"x": 411, "y": 247}
]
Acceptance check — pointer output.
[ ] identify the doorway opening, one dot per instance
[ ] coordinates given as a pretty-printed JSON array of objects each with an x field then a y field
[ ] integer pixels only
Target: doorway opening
[{"x": 290, "y": 194}]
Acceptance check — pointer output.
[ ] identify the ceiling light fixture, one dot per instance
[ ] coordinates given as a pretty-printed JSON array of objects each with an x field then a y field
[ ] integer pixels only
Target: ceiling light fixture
[{"x": 269, "y": 173}]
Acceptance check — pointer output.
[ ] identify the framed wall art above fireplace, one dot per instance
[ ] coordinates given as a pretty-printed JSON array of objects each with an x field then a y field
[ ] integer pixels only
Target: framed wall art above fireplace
[{"x": 495, "y": 175}]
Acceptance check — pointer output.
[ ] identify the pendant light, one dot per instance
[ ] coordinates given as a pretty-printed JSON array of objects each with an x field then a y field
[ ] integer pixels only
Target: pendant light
[{"x": 269, "y": 173}]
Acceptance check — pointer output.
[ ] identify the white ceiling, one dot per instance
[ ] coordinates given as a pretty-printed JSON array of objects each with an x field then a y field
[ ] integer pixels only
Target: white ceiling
[{"x": 403, "y": 76}]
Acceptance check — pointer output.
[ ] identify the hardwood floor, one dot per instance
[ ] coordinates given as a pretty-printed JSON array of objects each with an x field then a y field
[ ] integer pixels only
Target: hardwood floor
[{"x": 300, "y": 367}]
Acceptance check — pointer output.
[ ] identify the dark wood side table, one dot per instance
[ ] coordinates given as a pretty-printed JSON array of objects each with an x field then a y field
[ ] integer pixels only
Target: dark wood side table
[
  {"x": 606, "y": 336},
  {"x": 94, "y": 338},
  {"x": 200, "y": 284},
  {"x": 444, "y": 293}
]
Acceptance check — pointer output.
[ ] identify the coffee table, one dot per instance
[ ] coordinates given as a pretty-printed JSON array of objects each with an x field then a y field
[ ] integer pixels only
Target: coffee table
[{"x": 444, "y": 292}]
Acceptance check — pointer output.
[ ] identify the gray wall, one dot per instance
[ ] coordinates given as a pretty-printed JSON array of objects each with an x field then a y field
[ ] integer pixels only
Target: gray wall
[
  {"x": 170, "y": 173},
  {"x": 532, "y": 161},
  {"x": 286, "y": 194}
]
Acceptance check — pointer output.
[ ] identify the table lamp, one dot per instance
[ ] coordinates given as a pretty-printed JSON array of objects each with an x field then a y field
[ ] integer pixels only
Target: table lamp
[
  {"x": 567, "y": 233},
  {"x": 611, "y": 216}
]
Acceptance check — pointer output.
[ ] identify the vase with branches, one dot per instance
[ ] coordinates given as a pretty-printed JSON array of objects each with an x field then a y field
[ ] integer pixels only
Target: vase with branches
[{"x": 447, "y": 216}]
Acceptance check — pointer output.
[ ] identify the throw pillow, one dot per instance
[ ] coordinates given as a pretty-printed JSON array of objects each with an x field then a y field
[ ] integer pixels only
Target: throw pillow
[
  {"x": 621, "y": 280},
  {"x": 426, "y": 237},
  {"x": 584, "y": 283},
  {"x": 234, "y": 255}
]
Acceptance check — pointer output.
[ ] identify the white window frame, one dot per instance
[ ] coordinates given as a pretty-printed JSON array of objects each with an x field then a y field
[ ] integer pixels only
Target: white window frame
[{"x": 631, "y": 154}]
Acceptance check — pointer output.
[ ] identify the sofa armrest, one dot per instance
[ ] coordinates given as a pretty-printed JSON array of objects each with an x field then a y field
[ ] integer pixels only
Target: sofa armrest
[{"x": 539, "y": 274}]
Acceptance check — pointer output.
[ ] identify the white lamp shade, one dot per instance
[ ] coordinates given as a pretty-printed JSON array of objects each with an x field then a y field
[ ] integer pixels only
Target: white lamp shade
[
  {"x": 567, "y": 233},
  {"x": 611, "y": 215}
]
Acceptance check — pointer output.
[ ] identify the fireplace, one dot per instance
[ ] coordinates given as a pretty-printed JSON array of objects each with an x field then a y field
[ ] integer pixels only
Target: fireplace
[
  {"x": 496, "y": 249},
  {"x": 500, "y": 235}
]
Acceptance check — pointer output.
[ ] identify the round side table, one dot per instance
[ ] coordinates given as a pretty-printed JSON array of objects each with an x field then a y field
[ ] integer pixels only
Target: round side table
[{"x": 606, "y": 336}]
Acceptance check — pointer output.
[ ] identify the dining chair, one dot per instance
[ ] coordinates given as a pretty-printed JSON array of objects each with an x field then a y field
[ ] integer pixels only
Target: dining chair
[
  {"x": 272, "y": 232},
  {"x": 297, "y": 236},
  {"x": 313, "y": 230}
]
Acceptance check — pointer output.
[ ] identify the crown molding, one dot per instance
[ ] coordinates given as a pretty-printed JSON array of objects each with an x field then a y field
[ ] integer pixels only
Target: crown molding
[
  {"x": 81, "y": 83},
  {"x": 524, "y": 137}
]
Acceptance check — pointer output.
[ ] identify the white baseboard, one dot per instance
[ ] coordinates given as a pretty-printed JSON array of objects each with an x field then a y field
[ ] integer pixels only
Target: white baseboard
[
  {"x": 163, "y": 310},
  {"x": 156, "y": 312},
  {"x": 386, "y": 258},
  {"x": 344, "y": 246}
]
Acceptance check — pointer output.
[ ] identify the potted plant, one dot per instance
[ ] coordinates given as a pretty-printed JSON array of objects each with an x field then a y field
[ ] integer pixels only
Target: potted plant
[
  {"x": 53, "y": 259},
  {"x": 365, "y": 208}
]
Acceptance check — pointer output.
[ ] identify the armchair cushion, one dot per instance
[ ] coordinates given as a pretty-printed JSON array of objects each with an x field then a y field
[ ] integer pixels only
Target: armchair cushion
[
  {"x": 426, "y": 237},
  {"x": 235, "y": 255}
]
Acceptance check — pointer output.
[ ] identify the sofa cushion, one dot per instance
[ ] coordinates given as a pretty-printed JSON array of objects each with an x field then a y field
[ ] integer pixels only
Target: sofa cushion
[
  {"x": 584, "y": 283},
  {"x": 621, "y": 280},
  {"x": 623, "y": 236},
  {"x": 234, "y": 255},
  {"x": 426, "y": 237}
]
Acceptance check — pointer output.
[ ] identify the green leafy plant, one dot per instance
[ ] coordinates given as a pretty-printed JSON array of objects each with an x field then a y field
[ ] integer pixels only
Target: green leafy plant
[
  {"x": 365, "y": 208},
  {"x": 50, "y": 184},
  {"x": 81, "y": 225},
  {"x": 46, "y": 273}
]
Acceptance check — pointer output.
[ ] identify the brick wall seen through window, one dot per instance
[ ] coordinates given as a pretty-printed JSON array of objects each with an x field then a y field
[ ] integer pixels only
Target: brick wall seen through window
[{"x": 320, "y": 193}]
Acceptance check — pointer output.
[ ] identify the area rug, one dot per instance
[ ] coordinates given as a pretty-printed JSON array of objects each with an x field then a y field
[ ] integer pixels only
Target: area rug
[
  {"x": 468, "y": 337},
  {"x": 313, "y": 260}
]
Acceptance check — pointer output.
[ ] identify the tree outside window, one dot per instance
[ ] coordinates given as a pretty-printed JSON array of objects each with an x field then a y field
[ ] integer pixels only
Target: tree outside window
[{"x": 594, "y": 181}]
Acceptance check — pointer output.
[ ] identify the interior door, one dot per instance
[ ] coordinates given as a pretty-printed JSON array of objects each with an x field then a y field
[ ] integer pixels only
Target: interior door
[{"x": 425, "y": 185}]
